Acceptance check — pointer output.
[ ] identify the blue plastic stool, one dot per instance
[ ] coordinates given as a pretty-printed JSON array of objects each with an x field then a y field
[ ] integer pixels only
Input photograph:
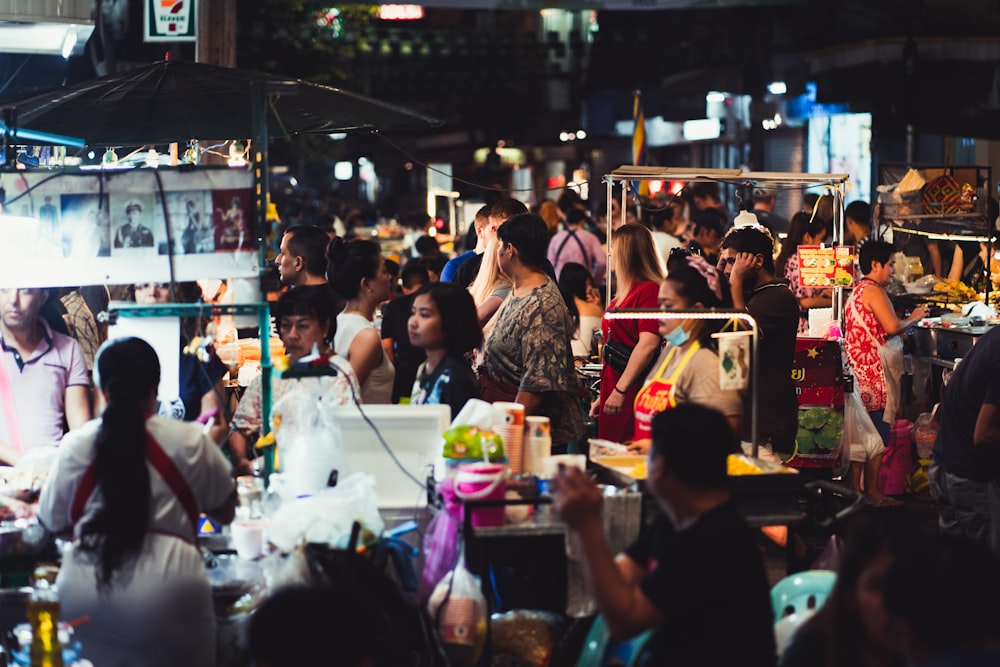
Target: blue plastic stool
[{"x": 599, "y": 649}]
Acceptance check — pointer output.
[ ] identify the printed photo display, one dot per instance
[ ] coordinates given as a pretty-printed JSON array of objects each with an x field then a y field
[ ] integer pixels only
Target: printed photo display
[{"x": 80, "y": 227}]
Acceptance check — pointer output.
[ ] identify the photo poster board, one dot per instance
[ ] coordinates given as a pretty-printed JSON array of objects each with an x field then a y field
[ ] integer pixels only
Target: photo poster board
[
  {"x": 99, "y": 227},
  {"x": 826, "y": 266}
]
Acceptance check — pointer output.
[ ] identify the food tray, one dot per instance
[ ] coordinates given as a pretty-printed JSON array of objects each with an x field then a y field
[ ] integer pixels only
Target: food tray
[
  {"x": 773, "y": 478},
  {"x": 632, "y": 466}
]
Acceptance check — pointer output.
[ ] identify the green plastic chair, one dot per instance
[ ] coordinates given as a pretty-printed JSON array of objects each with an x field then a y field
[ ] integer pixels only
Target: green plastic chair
[
  {"x": 801, "y": 591},
  {"x": 599, "y": 649}
]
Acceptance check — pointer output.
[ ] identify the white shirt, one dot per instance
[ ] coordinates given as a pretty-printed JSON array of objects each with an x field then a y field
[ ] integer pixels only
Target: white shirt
[{"x": 377, "y": 388}]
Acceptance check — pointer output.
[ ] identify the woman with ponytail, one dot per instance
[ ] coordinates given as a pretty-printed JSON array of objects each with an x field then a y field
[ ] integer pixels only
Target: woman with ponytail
[
  {"x": 130, "y": 487},
  {"x": 356, "y": 272}
]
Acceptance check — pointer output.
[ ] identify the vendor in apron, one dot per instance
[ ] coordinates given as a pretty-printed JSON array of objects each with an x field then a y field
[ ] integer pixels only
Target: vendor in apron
[
  {"x": 129, "y": 487},
  {"x": 687, "y": 370}
]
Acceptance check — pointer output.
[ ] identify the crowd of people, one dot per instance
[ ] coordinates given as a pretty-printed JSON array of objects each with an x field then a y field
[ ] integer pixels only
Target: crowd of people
[{"x": 505, "y": 320}]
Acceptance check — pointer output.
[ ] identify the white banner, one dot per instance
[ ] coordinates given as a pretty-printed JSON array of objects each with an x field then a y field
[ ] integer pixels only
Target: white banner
[{"x": 65, "y": 228}]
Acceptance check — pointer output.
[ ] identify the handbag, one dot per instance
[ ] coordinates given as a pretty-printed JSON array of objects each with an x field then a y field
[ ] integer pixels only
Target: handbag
[{"x": 617, "y": 355}]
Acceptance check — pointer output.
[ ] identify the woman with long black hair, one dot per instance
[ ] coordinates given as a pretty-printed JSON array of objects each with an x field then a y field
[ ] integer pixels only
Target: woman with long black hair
[{"x": 130, "y": 487}]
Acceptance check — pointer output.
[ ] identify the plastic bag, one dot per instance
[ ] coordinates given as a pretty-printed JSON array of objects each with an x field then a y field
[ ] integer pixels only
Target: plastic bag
[
  {"x": 441, "y": 541},
  {"x": 326, "y": 517},
  {"x": 308, "y": 439},
  {"x": 924, "y": 434},
  {"x": 860, "y": 439},
  {"x": 458, "y": 608}
]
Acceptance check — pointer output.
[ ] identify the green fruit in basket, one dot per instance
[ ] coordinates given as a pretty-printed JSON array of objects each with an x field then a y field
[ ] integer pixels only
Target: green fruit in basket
[
  {"x": 835, "y": 419},
  {"x": 813, "y": 418},
  {"x": 805, "y": 441},
  {"x": 828, "y": 437}
]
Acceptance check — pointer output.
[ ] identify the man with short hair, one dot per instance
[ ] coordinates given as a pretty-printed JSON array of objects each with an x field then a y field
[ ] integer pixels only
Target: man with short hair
[
  {"x": 857, "y": 222},
  {"x": 695, "y": 577},
  {"x": 500, "y": 211},
  {"x": 707, "y": 235},
  {"x": 301, "y": 257},
  {"x": 44, "y": 384},
  {"x": 482, "y": 218},
  {"x": 747, "y": 259},
  {"x": 763, "y": 208}
]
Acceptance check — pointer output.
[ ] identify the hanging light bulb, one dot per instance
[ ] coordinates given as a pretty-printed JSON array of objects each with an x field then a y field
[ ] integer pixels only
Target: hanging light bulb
[
  {"x": 237, "y": 154},
  {"x": 110, "y": 156},
  {"x": 191, "y": 154}
]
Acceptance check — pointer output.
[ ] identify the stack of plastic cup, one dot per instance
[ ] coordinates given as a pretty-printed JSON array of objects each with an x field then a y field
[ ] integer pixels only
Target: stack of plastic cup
[
  {"x": 537, "y": 444},
  {"x": 508, "y": 421}
]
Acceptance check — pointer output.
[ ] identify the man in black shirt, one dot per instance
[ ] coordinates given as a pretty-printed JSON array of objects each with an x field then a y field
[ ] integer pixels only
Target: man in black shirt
[
  {"x": 695, "y": 577},
  {"x": 747, "y": 259},
  {"x": 965, "y": 464}
]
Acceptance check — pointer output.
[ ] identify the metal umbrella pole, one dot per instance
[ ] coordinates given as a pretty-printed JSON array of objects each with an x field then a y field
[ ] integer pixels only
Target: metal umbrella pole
[{"x": 708, "y": 314}]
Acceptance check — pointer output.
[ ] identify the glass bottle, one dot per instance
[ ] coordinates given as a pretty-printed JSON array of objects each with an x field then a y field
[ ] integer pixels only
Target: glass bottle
[{"x": 43, "y": 615}]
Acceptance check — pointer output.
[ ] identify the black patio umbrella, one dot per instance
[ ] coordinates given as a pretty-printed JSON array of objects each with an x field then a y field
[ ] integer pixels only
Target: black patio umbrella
[{"x": 173, "y": 100}]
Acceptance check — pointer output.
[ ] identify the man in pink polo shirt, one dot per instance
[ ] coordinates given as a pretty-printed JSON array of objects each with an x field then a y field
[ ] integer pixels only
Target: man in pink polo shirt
[{"x": 44, "y": 385}]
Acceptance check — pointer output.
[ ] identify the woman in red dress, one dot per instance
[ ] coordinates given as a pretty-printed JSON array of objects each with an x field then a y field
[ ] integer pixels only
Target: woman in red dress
[
  {"x": 875, "y": 352},
  {"x": 638, "y": 271}
]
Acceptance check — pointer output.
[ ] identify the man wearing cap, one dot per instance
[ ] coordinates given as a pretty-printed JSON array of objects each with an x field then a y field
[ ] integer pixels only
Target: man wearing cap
[{"x": 133, "y": 234}]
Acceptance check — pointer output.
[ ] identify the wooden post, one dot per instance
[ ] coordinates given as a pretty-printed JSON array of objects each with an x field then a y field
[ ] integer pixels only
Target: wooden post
[{"x": 216, "y": 33}]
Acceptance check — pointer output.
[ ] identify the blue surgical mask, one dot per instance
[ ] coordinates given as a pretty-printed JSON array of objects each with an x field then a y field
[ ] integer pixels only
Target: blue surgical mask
[{"x": 677, "y": 336}]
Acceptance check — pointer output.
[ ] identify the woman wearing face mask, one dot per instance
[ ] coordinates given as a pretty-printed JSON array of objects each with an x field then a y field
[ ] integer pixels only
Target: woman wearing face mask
[{"x": 687, "y": 370}]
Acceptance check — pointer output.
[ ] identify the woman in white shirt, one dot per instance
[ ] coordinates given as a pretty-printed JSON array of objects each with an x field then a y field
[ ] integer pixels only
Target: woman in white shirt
[
  {"x": 356, "y": 271},
  {"x": 130, "y": 487}
]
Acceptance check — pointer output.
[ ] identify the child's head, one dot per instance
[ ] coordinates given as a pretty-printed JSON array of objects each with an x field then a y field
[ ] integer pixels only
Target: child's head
[{"x": 444, "y": 316}]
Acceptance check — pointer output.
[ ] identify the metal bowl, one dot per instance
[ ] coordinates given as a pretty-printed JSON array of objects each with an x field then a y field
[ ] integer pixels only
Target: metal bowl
[{"x": 24, "y": 539}]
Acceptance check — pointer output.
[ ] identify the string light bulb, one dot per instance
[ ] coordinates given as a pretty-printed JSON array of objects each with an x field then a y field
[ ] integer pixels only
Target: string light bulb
[{"x": 237, "y": 154}]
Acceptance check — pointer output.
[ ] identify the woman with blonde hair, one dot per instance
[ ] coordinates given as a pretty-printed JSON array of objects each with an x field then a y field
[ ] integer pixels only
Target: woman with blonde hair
[
  {"x": 638, "y": 271},
  {"x": 490, "y": 287}
]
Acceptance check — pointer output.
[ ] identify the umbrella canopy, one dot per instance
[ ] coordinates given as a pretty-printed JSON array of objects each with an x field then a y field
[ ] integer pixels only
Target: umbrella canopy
[{"x": 177, "y": 101}]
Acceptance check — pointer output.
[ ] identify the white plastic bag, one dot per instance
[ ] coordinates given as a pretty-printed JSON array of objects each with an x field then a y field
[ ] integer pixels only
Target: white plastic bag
[
  {"x": 861, "y": 439},
  {"x": 327, "y": 516},
  {"x": 308, "y": 440},
  {"x": 458, "y": 608}
]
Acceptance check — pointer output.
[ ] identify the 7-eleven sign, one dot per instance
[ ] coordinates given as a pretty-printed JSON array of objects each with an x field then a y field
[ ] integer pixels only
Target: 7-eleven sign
[{"x": 169, "y": 20}]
